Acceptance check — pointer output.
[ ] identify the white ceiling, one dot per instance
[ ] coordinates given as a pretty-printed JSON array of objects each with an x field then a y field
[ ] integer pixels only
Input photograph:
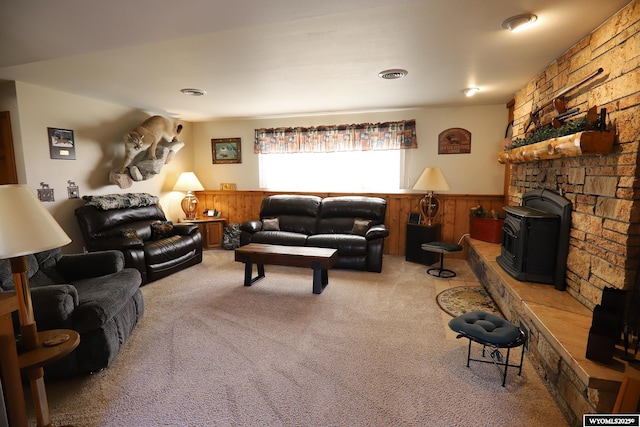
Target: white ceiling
[{"x": 259, "y": 58}]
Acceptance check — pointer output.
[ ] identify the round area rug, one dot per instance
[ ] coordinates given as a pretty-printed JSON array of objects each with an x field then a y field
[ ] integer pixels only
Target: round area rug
[{"x": 463, "y": 299}]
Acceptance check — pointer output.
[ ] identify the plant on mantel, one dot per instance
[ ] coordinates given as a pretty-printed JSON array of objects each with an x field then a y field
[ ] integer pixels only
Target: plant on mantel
[
  {"x": 549, "y": 132},
  {"x": 572, "y": 139}
]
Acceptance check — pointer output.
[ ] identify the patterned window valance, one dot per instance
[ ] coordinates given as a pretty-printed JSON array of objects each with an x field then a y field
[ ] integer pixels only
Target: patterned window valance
[{"x": 324, "y": 139}]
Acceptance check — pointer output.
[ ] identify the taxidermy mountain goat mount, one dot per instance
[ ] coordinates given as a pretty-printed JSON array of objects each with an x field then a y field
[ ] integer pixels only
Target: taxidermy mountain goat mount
[{"x": 146, "y": 149}]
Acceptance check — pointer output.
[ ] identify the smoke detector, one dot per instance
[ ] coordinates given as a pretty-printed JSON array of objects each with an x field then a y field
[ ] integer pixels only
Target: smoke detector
[
  {"x": 392, "y": 74},
  {"x": 193, "y": 92}
]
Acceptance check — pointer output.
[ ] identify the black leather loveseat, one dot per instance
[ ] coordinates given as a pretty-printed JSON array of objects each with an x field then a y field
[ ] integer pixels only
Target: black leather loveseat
[
  {"x": 354, "y": 225},
  {"x": 135, "y": 224}
]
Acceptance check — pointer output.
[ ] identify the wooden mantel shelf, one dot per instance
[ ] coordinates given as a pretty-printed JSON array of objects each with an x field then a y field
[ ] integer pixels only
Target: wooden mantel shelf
[{"x": 587, "y": 143}]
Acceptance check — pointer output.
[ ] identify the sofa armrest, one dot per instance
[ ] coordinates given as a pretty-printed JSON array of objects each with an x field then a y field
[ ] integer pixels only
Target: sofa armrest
[
  {"x": 93, "y": 264},
  {"x": 53, "y": 306},
  {"x": 184, "y": 229},
  {"x": 251, "y": 226},
  {"x": 117, "y": 243},
  {"x": 376, "y": 232}
]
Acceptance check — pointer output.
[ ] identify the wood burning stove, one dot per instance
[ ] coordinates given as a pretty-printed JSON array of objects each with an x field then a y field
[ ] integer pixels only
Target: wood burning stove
[
  {"x": 535, "y": 238},
  {"x": 529, "y": 244}
]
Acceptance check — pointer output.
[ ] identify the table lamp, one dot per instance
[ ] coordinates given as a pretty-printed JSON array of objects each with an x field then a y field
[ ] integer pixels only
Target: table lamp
[
  {"x": 188, "y": 181},
  {"x": 431, "y": 180},
  {"x": 26, "y": 227}
]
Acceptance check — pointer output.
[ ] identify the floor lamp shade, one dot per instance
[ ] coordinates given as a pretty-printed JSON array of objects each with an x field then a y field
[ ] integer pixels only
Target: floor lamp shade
[
  {"x": 188, "y": 181},
  {"x": 26, "y": 227},
  {"x": 431, "y": 180}
]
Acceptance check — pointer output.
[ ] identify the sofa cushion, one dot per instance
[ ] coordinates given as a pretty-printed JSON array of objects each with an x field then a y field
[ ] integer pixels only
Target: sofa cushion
[
  {"x": 6, "y": 276},
  {"x": 161, "y": 229},
  {"x": 337, "y": 214},
  {"x": 346, "y": 244},
  {"x": 279, "y": 238},
  {"x": 102, "y": 297},
  {"x": 273, "y": 206},
  {"x": 95, "y": 223},
  {"x": 130, "y": 233},
  {"x": 355, "y": 207},
  {"x": 271, "y": 224},
  {"x": 295, "y": 213},
  {"x": 167, "y": 249},
  {"x": 360, "y": 226}
]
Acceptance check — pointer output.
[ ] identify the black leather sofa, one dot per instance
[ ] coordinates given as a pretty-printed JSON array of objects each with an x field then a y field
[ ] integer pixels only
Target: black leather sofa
[
  {"x": 354, "y": 225},
  {"x": 93, "y": 294},
  {"x": 151, "y": 244}
]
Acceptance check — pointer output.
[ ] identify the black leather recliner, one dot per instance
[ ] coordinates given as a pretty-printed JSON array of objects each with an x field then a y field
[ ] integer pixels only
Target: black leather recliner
[
  {"x": 153, "y": 252},
  {"x": 354, "y": 225}
]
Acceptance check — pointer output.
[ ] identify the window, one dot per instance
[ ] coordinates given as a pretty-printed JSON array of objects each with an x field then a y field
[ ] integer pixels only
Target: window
[
  {"x": 347, "y": 171},
  {"x": 364, "y": 157}
]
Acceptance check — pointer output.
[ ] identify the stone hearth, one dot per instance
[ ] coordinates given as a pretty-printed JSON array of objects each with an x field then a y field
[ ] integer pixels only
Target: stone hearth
[{"x": 558, "y": 327}]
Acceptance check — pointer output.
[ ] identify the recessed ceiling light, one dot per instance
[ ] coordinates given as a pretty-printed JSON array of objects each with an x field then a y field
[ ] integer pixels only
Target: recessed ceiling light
[
  {"x": 395, "y": 73},
  {"x": 470, "y": 91},
  {"x": 519, "y": 22},
  {"x": 193, "y": 92}
]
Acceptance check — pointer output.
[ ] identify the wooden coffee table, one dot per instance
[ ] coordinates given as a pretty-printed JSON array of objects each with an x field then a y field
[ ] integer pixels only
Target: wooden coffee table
[{"x": 319, "y": 259}]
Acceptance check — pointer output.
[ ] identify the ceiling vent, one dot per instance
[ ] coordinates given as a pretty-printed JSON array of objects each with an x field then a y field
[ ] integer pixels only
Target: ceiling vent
[{"x": 393, "y": 74}]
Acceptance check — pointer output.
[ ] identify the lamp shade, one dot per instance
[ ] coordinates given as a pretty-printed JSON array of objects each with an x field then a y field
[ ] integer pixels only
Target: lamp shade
[
  {"x": 431, "y": 180},
  {"x": 188, "y": 181},
  {"x": 26, "y": 227}
]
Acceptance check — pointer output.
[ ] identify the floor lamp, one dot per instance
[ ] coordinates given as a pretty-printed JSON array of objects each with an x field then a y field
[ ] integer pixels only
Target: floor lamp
[
  {"x": 431, "y": 180},
  {"x": 26, "y": 227},
  {"x": 188, "y": 181}
]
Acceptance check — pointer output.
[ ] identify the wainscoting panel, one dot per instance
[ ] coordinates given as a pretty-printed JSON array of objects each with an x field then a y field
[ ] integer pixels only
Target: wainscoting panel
[{"x": 240, "y": 206}]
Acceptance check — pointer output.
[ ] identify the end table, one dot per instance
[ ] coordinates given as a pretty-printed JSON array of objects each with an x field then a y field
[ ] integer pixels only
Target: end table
[
  {"x": 417, "y": 234},
  {"x": 211, "y": 229}
]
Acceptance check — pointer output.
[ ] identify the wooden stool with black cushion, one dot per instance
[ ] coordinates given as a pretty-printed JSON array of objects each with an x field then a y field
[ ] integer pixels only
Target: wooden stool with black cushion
[
  {"x": 491, "y": 331},
  {"x": 441, "y": 248}
]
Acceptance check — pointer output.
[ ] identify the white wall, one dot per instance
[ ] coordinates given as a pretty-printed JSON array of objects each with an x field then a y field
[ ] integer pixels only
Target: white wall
[
  {"x": 98, "y": 130},
  {"x": 475, "y": 173},
  {"x": 99, "y": 126}
]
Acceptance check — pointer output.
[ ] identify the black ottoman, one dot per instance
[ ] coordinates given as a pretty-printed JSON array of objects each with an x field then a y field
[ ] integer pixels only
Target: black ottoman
[{"x": 491, "y": 331}]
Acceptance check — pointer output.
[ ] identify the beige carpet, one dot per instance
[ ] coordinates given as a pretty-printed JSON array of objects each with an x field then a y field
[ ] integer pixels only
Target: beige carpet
[{"x": 371, "y": 350}]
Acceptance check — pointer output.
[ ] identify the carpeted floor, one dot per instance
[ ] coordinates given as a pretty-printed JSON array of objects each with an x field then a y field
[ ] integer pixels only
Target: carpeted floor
[{"x": 371, "y": 350}]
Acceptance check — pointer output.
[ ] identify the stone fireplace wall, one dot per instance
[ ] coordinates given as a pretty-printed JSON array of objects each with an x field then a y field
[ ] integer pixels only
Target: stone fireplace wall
[{"x": 605, "y": 235}]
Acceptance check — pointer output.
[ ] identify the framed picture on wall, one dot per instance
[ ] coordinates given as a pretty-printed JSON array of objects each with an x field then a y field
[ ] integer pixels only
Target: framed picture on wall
[
  {"x": 226, "y": 150},
  {"x": 454, "y": 141},
  {"x": 61, "y": 144}
]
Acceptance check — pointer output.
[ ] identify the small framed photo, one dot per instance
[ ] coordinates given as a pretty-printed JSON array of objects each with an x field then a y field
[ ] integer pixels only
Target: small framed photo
[
  {"x": 61, "y": 144},
  {"x": 414, "y": 218},
  {"x": 226, "y": 150},
  {"x": 228, "y": 186}
]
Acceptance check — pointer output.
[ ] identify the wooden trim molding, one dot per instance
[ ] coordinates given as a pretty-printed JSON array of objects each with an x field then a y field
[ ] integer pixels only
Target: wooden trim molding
[{"x": 240, "y": 206}]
